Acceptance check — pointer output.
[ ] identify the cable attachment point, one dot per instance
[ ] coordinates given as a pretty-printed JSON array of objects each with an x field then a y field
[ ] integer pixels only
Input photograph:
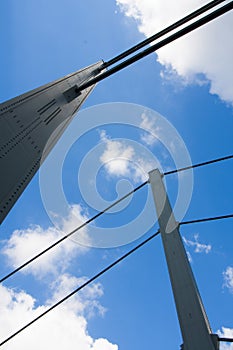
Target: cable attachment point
[{"x": 72, "y": 93}]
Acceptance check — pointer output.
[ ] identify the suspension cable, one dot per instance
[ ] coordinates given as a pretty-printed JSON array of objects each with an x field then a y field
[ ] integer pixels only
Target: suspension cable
[
  {"x": 213, "y": 218},
  {"x": 104, "y": 211},
  {"x": 71, "y": 233},
  {"x": 163, "y": 32},
  {"x": 105, "y": 270},
  {"x": 80, "y": 287},
  {"x": 228, "y": 340},
  {"x": 102, "y": 76},
  {"x": 202, "y": 21},
  {"x": 199, "y": 165}
]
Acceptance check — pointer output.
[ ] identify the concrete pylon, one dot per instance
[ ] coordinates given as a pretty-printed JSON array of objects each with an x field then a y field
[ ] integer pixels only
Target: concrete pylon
[{"x": 194, "y": 324}]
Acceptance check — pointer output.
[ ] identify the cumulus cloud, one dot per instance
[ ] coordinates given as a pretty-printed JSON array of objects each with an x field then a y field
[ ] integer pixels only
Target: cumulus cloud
[
  {"x": 67, "y": 325},
  {"x": 125, "y": 158},
  {"x": 116, "y": 157},
  {"x": 204, "y": 55},
  {"x": 63, "y": 328},
  {"x": 228, "y": 278},
  {"x": 26, "y": 243},
  {"x": 226, "y": 333},
  {"x": 198, "y": 247}
]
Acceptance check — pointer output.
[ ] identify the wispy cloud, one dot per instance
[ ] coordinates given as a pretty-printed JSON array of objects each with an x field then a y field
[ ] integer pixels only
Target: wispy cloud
[
  {"x": 198, "y": 247},
  {"x": 153, "y": 131},
  {"x": 228, "y": 278},
  {"x": 86, "y": 301}
]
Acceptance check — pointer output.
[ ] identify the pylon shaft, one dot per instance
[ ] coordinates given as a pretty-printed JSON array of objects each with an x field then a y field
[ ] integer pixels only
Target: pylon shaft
[
  {"x": 195, "y": 328},
  {"x": 30, "y": 125}
]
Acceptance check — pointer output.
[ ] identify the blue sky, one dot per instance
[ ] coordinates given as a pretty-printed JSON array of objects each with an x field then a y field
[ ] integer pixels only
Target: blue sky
[{"x": 190, "y": 85}]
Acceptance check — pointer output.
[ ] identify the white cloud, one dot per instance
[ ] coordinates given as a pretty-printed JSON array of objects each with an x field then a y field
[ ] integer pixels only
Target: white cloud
[
  {"x": 125, "y": 158},
  {"x": 228, "y": 278},
  {"x": 153, "y": 130},
  {"x": 207, "y": 51},
  {"x": 103, "y": 344},
  {"x": 67, "y": 325},
  {"x": 226, "y": 333},
  {"x": 116, "y": 157},
  {"x": 63, "y": 328},
  {"x": 85, "y": 301},
  {"x": 189, "y": 257},
  {"x": 199, "y": 247},
  {"x": 25, "y": 244}
]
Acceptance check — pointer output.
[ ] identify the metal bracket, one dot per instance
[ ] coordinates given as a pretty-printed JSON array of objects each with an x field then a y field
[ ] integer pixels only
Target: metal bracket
[{"x": 72, "y": 93}]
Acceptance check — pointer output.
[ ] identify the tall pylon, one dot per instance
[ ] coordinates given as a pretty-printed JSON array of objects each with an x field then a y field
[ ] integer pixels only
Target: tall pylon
[
  {"x": 194, "y": 324},
  {"x": 31, "y": 124}
]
